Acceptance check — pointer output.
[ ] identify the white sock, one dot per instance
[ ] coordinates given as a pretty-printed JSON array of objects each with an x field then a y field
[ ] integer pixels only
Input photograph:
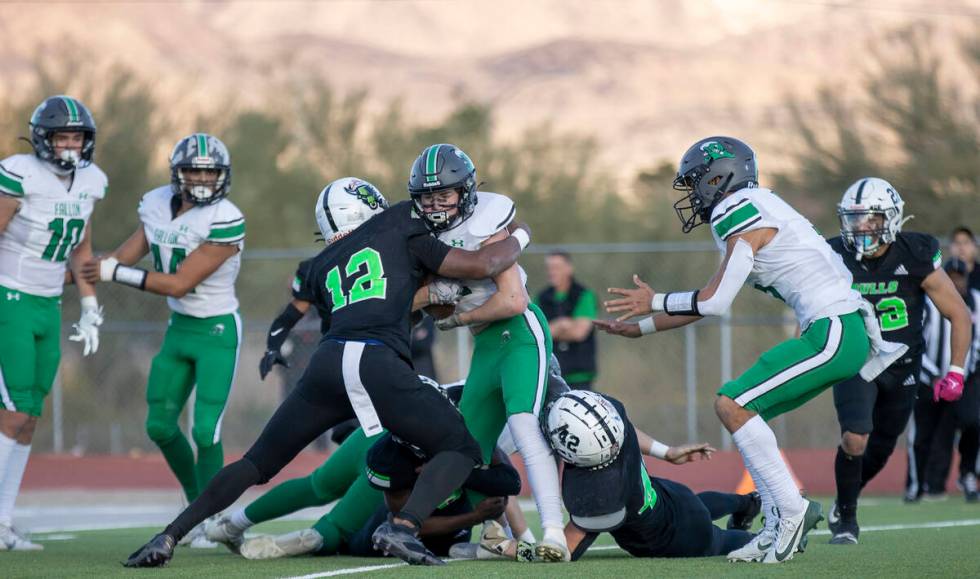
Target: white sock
[
  {"x": 771, "y": 518},
  {"x": 542, "y": 472},
  {"x": 757, "y": 443},
  {"x": 10, "y": 484},
  {"x": 528, "y": 537},
  {"x": 239, "y": 521},
  {"x": 6, "y": 447}
]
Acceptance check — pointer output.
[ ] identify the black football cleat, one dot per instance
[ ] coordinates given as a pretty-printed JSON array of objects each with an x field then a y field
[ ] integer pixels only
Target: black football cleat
[
  {"x": 743, "y": 520},
  {"x": 846, "y": 534},
  {"x": 156, "y": 553},
  {"x": 400, "y": 541}
]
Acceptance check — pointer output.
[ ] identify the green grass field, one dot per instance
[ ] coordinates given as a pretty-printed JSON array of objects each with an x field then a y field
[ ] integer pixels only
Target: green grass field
[{"x": 928, "y": 539}]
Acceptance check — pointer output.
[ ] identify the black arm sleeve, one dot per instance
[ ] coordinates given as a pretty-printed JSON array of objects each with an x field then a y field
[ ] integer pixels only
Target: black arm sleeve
[
  {"x": 281, "y": 326},
  {"x": 495, "y": 480},
  {"x": 428, "y": 250},
  {"x": 584, "y": 545}
]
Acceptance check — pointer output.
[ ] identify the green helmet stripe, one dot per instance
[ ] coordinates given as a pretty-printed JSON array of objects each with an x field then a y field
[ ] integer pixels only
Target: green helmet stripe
[
  {"x": 72, "y": 109},
  {"x": 432, "y": 156},
  {"x": 202, "y": 145}
]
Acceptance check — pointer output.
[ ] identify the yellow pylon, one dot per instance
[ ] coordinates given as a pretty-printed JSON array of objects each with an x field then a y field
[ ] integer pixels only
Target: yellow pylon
[{"x": 747, "y": 485}]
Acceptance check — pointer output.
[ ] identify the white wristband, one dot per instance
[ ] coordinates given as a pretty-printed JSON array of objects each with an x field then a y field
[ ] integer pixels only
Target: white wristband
[
  {"x": 647, "y": 326},
  {"x": 89, "y": 303},
  {"x": 658, "y": 449},
  {"x": 522, "y": 237},
  {"x": 657, "y": 303},
  {"x": 108, "y": 268},
  {"x": 956, "y": 369}
]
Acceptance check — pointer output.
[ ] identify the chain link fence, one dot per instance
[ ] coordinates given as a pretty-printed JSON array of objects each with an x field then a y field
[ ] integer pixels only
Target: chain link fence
[{"x": 667, "y": 381}]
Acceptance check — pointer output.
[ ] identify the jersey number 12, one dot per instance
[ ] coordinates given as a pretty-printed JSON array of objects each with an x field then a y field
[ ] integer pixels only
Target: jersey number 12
[{"x": 367, "y": 273}]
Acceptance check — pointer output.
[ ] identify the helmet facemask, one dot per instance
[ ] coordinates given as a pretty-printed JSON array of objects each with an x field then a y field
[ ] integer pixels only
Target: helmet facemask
[
  {"x": 702, "y": 195},
  {"x": 201, "y": 193},
  {"x": 864, "y": 231},
  {"x": 446, "y": 219}
]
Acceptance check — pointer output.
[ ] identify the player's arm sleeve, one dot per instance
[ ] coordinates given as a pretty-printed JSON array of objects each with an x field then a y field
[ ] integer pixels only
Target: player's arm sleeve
[
  {"x": 428, "y": 250},
  {"x": 227, "y": 226},
  {"x": 11, "y": 181},
  {"x": 741, "y": 216},
  {"x": 733, "y": 276},
  {"x": 282, "y": 325},
  {"x": 587, "y": 306}
]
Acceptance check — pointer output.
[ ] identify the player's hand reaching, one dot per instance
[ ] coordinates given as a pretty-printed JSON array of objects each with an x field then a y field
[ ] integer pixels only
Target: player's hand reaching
[
  {"x": 270, "y": 359},
  {"x": 635, "y": 302},
  {"x": 91, "y": 270},
  {"x": 689, "y": 453},
  {"x": 490, "y": 508},
  {"x": 617, "y": 328}
]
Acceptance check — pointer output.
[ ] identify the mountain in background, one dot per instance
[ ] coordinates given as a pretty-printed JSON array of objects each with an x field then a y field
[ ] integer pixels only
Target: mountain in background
[{"x": 645, "y": 78}]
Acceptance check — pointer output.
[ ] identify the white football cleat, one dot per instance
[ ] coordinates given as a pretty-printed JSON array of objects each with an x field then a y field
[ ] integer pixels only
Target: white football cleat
[
  {"x": 553, "y": 548},
  {"x": 12, "y": 540},
  {"x": 756, "y": 549},
  {"x": 278, "y": 546},
  {"x": 792, "y": 531},
  {"x": 221, "y": 531},
  {"x": 196, "y": 539}
]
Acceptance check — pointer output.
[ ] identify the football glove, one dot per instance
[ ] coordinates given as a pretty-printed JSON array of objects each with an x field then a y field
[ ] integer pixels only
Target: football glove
[
  {"x": 270, "y": 359},
  {"x": 449, "y": 322},
  {"x": 87, "y": 328},
  {"x": 949, "y": 388},
  {"x": 444, "y": 292}
]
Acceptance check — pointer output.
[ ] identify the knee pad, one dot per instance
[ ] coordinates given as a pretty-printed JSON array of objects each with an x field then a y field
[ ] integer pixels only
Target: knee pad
[{"x": 161, "y": 431}]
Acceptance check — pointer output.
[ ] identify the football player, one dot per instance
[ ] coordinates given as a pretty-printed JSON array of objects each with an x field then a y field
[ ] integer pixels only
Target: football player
[
  {"x": 606, "y": 487},
  {"x": 196, "y": 236},
  {"x": 351, "y": 522},
  {"x": 46, "y": 203},
  {"x": 512, "y": 342},
  {"x": 895, "y": 271},
  {"x": 768, "y": 244},
  {"x": 368, "y": 279}
]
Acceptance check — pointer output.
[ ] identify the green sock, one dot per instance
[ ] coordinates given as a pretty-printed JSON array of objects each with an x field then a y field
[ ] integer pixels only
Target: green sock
[
  {"x": 180, "y": 458},
  {"x": 210, "y": 459},
  {"x": 285, "y": 498}
]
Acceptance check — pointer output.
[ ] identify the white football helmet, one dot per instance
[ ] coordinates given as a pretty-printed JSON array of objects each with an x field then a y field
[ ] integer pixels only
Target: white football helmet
[
  {"x": 585, "y": 429},
  {"x": 870, "y": 215},
  {"x": 345, "y": 204}
]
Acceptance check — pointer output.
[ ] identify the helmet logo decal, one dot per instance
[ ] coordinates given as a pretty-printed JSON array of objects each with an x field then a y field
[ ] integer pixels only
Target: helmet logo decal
[
  {"x": 714, "y": 150},
  {"x": 465, "y": 158},
  {"x": 73, "y": 116},
  {"x": 431, "y": 165},
  {"x": 365, "y": 193},
  {"x": 202, "y": 149}
]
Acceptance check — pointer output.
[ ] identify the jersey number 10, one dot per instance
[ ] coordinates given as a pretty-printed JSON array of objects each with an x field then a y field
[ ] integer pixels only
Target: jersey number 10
[
  {"x": 369, "y": 283},
  {"x": 64, "y": 237}
]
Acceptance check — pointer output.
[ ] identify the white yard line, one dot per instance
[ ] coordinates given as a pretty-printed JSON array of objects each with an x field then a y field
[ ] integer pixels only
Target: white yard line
[{"x": 869, "y": 529}]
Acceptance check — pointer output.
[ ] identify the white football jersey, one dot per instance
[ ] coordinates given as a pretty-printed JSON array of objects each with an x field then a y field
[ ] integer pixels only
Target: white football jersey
[
  {"x": 798, "y": 266},
  {"x": 51, "y": 222},
  {"x": 173, "y": 239},
  {"x": 493, "y": 212}
]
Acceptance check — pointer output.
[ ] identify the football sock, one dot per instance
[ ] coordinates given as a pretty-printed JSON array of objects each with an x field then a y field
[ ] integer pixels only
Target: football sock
[
  {"x": 722, "y": 504},
  {"x": 769, "y": 514},
  {"x": 180, "y": 458},
  {"x": 240, "y": 521},
  {"x": 528, "y": 537},
  {"x": 757, "y": 444},
  {"x": 880, "y": 448},
  {"x": 210, "y": 459},
  {"x": 285, "y": 498},
  {"x": 442, "y": 475},
  {"x": 847, "y": 471},
  {"x": 12, "y": 474},
  {"x": 6, "y": 447},
  {"x": 539, "y": 463},
  {"x": 223, "y": 490}
]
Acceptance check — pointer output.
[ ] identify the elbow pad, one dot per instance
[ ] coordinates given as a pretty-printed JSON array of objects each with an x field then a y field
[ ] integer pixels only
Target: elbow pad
[{"x": 737, "y": 270}]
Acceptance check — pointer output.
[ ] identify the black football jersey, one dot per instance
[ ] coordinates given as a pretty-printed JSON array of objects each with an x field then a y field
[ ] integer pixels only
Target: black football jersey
[
  {"x": 301, "y": 291},
  {"x": 365, "y": 282},
  {"x": 893, "y": 285}
]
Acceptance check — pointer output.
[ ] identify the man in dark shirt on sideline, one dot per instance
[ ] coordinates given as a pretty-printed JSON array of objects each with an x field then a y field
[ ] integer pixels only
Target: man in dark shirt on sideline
[{"x": 570, "y": 309}]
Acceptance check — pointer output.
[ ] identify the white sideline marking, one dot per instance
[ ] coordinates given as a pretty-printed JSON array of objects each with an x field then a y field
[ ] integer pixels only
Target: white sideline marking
[{"x": 870, "y": 529}]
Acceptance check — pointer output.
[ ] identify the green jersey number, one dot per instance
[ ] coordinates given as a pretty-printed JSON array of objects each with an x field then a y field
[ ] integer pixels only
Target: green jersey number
[
  {"x": 176, "y": 256},
  {"x": 893, "y": 314},
  {"x": 65, "y": 235},
  {"x": 367, "y": 273}
]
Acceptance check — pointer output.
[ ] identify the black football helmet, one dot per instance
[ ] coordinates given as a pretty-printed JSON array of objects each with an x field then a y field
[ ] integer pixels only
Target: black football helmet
[
  {"x": 708, "y": 170},
  {"x": 200, "y": 151},
  {"x": 62, "y": 114},
  {"x": 440, "y": 168}
]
